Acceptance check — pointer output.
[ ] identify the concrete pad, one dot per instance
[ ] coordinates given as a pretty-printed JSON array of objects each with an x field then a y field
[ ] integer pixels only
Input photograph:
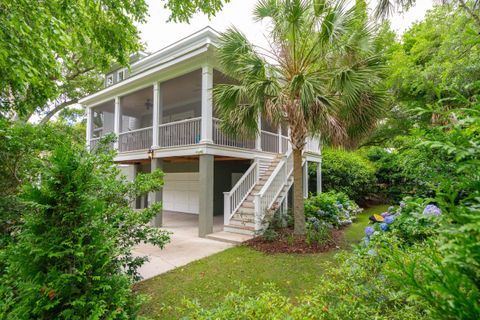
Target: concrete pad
[{"x": 185, "y": 246}]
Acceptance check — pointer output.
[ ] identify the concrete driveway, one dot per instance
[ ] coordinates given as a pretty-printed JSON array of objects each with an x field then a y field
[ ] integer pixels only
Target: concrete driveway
[{"x": 185, "y": 246}]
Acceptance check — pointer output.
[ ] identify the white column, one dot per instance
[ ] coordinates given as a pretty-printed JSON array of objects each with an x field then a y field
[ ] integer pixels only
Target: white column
[
  {"x": 279, "y": 131},
  {"x": 207, "y": 104},
  {"x": 156, "y": 114},
  {"x": 289, "y": 134},
  {"x": 117, "y": 120},
  {"x": 89, "y": 126},
  {"x": 258, "y": 140},
  {"x": 305, "y": 180},
  {"x": 319, "y": 177}
]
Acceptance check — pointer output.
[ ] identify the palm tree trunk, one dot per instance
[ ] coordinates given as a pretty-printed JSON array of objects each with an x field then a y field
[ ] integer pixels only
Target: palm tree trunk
[{"x": 298, "y": 206}]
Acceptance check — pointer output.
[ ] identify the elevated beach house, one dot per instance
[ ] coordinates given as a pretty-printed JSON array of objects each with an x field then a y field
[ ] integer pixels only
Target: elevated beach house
[{"x": 161, "y": 110}]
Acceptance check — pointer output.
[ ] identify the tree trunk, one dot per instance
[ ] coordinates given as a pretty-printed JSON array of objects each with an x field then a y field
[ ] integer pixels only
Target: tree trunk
[{"x": 298, "y": 206}]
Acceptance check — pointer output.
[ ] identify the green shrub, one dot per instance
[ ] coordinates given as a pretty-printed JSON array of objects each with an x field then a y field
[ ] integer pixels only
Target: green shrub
[
  {"x": 347, "y": 172},
  {"x": 72, "y": 257},
  {"x": 334, "y": 208},
  {"x": 318, "y": 232}
]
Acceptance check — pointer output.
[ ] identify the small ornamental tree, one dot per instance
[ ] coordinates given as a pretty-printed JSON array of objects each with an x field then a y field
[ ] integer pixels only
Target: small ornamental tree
[{"x": 72, "y": 258}]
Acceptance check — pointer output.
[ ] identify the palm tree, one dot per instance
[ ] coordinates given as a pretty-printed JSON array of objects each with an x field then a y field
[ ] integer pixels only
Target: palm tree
[{"x": 319, "y": 77}]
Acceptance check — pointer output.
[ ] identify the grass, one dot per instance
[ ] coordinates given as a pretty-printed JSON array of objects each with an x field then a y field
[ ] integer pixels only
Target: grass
[{"x": 209, "y": 280}]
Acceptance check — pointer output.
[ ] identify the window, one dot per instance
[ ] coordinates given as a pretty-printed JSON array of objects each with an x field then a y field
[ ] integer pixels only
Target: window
[
  {"x": 109, "y": 80},
  {"x": 120, "y": 75}
]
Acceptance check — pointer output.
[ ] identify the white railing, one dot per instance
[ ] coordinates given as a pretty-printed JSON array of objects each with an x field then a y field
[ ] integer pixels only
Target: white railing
[
  {"x": 180, "y": 133},
  {"x": 233, "y": 199},
  {"x": 139, "y": 139},
  {"x": 220, "y": 138},
  {"x": 268, "y": 195},
  {"x": 312, "y": 145},
  {"x": 94, "y": 142},
  {"x": 269, "y": 141},
  {"x": 285, "y": 144}
]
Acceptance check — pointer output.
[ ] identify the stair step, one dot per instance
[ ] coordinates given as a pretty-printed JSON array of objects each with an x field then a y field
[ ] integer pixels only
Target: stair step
[
  {"x": 242, "y": 223},
  {"x": 229, "y": 237},
  {"x": 242, "y": 210},
  {"x": 239, "y": 216},
  {"x": 247, "y": 204},
  {"x": 239, "y": 229}
]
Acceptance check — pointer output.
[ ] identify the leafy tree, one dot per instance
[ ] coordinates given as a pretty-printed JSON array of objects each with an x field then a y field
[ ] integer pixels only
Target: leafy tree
[
  {"x": 435, "y": 68},
  {"x": 320, "y": 76},
  {"x": 53, "y": 52},
  {"x": 21, "y": 149},
  {"x": 470, "y": 7},
  {"x": 72, "y": 257}
]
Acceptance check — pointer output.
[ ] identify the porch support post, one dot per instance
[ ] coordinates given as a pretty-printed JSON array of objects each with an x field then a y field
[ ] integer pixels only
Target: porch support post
[
  {"x": 258, "y": 140},
  {"x": 89, "y": 126},
  {"x": 205, "y": 217},
  {"x": 117, "y": 121},
  {"x": 289, "y": 134},
  {"x": 156, "y": 114},
  {"x": 207, "y": 104},
  {"x": 157, "y": 196},
  {"x": 279, "y": 132},
  {"x": 319, "y": 177},
  {"x": 305, "y": 180}
]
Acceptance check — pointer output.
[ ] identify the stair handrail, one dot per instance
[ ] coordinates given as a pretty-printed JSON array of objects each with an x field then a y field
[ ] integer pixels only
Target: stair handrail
[
  {"x": 270, "y": 191},
  {"x": 232, "y": 200}
]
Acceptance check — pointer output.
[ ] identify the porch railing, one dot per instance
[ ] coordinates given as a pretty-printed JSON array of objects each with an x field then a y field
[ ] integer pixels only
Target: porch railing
[
  {"x": 269, "y": 141},
  {"x": 285, "y": 144},
  {"x": 233, "y": 199},
  {"x": 220, "y": 138},
  {"x": 188, "y": 132},
  {"x": 312, "y": 145},
  {"x": 138, "y": 139},
  {"x": 180, "y": 133}
]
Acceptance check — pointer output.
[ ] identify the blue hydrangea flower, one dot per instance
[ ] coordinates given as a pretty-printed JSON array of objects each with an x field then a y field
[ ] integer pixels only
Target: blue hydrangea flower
[
  {"x": 385, "y": 214},
  {"x": 371, "y": 252},
  {"x": 389, "y": 219},
  {"x": 369, "y": 231},
  {"x": 432, "y": 210},
  {"x": 366, "y": 240},
  {"x": 384, "y": 227},
  {"x": 402, "y": 204}
]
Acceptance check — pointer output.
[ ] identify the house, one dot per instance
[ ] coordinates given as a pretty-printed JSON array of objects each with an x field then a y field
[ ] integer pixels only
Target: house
[{"x": 161, "y": 110}]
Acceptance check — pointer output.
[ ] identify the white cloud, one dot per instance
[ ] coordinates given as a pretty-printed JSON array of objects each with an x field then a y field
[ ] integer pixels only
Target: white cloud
[{"x": 156, "y": 33}]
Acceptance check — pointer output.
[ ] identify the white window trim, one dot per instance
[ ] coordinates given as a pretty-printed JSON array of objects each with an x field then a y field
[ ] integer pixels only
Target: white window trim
[
  {"x": 118, "y": 74},
  {"x": 109, "y": 77}
]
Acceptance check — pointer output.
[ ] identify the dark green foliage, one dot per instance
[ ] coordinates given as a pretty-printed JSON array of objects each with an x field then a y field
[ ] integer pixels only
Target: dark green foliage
[
  {"x": 347, "y": 172},
  {"x": 22, "y": 147},
  {"x": 72, "y": 257},
  {"x": 333, "y": 208}
]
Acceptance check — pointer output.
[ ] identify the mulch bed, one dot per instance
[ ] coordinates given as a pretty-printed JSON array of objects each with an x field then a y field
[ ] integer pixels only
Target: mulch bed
[{"x": 290, "y": 243}]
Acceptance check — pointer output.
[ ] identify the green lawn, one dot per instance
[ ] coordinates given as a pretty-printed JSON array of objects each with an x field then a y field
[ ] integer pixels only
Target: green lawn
[{"x": 210, "y": 279}]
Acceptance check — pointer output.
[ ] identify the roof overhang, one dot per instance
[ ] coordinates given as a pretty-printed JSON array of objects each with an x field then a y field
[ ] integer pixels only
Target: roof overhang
[{"x": 178, "y": 58}]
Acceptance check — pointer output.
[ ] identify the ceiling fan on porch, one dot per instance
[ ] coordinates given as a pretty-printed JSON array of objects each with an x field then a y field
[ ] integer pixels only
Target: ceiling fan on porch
[{"x": 148, "y": 104}]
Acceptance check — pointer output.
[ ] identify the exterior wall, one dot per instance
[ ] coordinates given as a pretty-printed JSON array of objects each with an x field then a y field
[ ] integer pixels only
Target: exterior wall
[{"x": 223, "y": 171}]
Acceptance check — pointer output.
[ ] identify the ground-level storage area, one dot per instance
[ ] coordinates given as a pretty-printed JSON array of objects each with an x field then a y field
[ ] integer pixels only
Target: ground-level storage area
[{"x": 182, "y": 187}]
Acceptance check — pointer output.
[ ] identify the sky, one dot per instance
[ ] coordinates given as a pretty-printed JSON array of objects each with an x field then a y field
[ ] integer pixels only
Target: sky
[{"x": 156, "y": 33}]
